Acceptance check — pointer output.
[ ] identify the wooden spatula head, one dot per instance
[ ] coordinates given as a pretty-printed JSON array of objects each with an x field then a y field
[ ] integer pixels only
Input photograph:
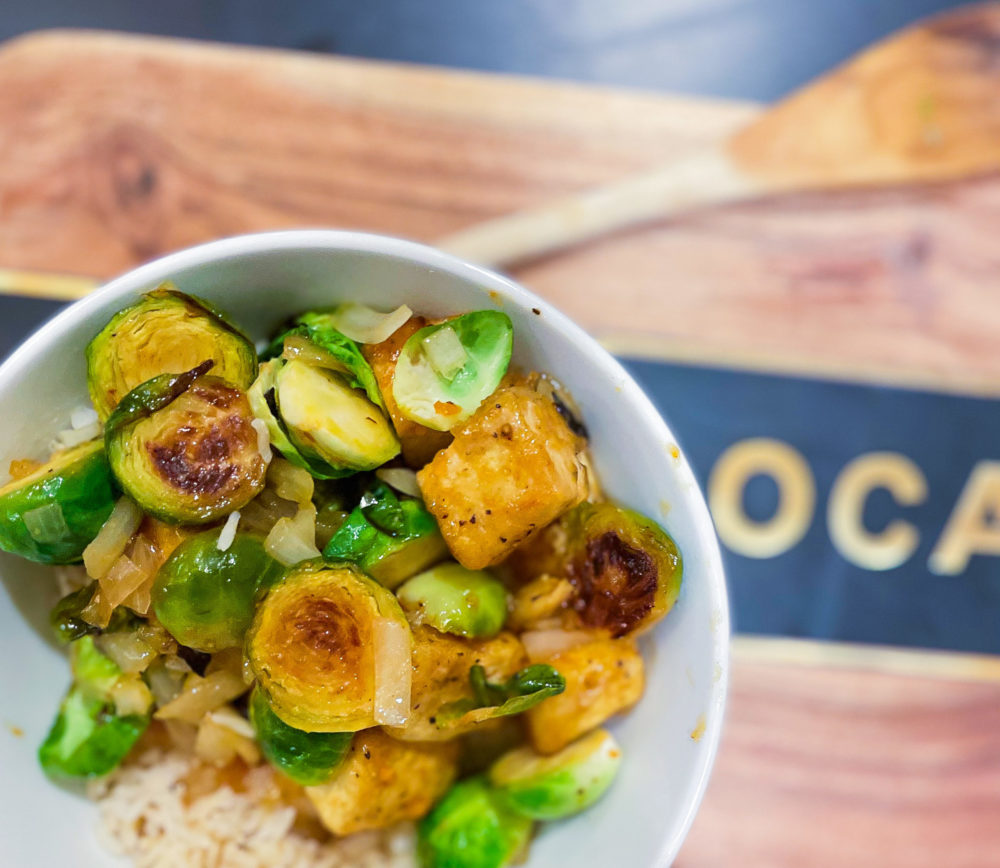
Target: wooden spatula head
[{"x": 922, "y": 105}]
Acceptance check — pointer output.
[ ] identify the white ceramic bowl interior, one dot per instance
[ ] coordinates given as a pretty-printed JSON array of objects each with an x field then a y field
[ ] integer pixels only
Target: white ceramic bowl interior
[{"x": 260, "y": 280}]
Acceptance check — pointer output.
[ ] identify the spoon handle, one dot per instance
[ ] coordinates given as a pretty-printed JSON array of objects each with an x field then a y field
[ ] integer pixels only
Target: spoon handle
[{"x": 703, "y": 179}]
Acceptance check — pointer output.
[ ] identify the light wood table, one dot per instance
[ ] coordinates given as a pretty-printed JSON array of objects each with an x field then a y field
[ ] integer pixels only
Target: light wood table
[{"x": 114, "y": 149}]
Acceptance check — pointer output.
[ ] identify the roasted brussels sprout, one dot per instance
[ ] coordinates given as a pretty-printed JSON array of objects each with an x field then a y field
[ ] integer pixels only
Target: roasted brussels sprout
[
  {"x": 308, "y": 758},
  {"x": 88, "y": 739},
  {"x": 383, "y": 782},
  {"x": 419, "y": 442},
  {"x": 472, "y": 827},
  {"x": 513, "y": 468},
  {"x": 522, "y": 691},
  {"x": 312, "y": 646},
  {"x": 453, "y": 599},
  {"x": 318, "y": 421},
  {"x": 552, "y": 787},
  {"x": 441, "y": 664},
  {"x": 53, "y": 513},
  {"x": 625, "y": 569},
  {"x": 205, "y": 597},
  {"x": 445, "y": 371},
  {"x": 165, "y": 332},
  {"x": 184, "y": 448},
  {"x": 317, "y": 327},
  {"x": 390, "y": 538}
]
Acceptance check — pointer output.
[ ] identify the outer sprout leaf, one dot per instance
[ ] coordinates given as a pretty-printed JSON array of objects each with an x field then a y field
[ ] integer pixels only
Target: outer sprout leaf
[
  {"x": 88, "y": 739},
  {"x": 66, "y": 617},
  {"x": 390, "y": 538},
  {"x": 308, "y": 758},
  {"x": 524, "y": 690}
]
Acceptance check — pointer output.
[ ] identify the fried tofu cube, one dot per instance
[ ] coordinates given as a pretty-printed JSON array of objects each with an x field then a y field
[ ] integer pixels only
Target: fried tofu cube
[
  {"x": 603, "y": 677},
  {"x": 383, "y": 782},
  {"x": 513, "y": 468},
  {"x": 419, "y": 442},
  {"x": 441, "y": 664}
]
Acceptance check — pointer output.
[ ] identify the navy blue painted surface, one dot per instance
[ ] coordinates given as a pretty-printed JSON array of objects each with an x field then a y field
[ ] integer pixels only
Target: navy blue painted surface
[
  {"x": 812, "y": 590},
  {"x": 753, "y": 49}
]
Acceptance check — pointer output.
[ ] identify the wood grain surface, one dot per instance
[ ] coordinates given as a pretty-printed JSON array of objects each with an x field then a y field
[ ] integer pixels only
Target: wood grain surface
[
  {"x": 826, "y": 766},
  {"x": 208, "y": 141},
  {"x": 115, "y": 149}
]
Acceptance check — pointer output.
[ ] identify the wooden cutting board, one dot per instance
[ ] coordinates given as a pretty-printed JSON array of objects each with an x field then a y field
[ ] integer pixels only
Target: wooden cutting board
[{"x": 115, "y": 149}]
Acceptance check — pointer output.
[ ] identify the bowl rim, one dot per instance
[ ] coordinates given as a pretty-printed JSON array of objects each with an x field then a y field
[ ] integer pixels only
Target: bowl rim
[{"x": 159, "y": 269}]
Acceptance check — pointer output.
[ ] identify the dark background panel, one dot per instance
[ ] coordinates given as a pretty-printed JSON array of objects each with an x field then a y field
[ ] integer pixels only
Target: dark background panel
[
  {"x": 752, "y": 49},
  {"x": 812, "y": 590}
]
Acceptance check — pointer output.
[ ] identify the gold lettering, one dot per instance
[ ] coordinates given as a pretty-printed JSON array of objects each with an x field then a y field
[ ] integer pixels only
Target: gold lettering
[
  {"x": 894, "y": 545},
  {"x": 796, "y": 497},
  {"x": 974, "y": 524}
]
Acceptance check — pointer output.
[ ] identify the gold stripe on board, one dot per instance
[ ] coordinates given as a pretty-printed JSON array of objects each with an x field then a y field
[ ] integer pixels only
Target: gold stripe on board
[
  {"x": 913, "y": 662},
  {"x": 47, "y": 285},
  {"x": 671, "y": 350}
]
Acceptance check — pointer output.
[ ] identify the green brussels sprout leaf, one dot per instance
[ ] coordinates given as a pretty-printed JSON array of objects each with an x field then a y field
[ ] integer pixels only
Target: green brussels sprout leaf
[
  {"x": 446, "y": 371},
  {"x": 524, "y": 690},
  {"x": 93, "y": 673},
  {"x": 205, "y": 597},
  {"x": 308, "y": 758},
  {"x": 453, "y": 599},
  {"x": 389, "y": 538},
  {"x": 88, "y": 739},
  {"x": 52, "y": 514},
  {"x": 471, "y": 827},
  {"x": 552, "y": 787}
]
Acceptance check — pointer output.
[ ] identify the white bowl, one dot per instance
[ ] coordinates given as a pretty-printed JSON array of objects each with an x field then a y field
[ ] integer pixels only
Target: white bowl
[{"x": 260, "y": 280}]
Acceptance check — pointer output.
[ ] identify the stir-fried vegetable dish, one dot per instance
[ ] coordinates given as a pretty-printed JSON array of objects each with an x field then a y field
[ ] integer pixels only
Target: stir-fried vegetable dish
[{"x": 374, "y": 556}]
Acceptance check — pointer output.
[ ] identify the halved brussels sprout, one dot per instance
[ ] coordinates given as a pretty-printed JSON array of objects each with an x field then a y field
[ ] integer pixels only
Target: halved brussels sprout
[
  {"x": 626, "y": 570},
  {"x": 308, "y": 758},
  {"x": 552, "y": 787},
  {"x": 318, "y": 327},
  {"x": 318, "y": 421},
  {"x": 52, "y": 514},
  {"x": 88, "y": 739},
  {"x": 521, "y": 692},
  {"x": 453, "y": 599},
  {"x": 472, "y": 827},
  {"x": 390, "y": 538},
  {"x": 311, "y": 646},
  {"x": 165, "y": 332},
  {"x": 184, "y": 448},
  {"x": 205, "y": 597},
  {"x": 446, "y": 371}
]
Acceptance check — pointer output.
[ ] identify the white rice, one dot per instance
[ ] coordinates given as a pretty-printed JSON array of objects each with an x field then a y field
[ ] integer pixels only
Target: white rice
[{"x": 145, "y": 818}]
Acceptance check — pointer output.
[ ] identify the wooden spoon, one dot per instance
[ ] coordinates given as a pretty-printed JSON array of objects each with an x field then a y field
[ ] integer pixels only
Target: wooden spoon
[{"x": 921, "y": 106}]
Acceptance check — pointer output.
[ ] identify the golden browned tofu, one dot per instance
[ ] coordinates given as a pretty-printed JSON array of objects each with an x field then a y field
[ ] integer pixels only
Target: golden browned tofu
[
  {"x": 384, "y": 781},
  {"x": 512, "y": 469},
  {"x": 441, "y": 664},
  {"x": 419, "y": 442},
  {"x": 603, "y": 677}
]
